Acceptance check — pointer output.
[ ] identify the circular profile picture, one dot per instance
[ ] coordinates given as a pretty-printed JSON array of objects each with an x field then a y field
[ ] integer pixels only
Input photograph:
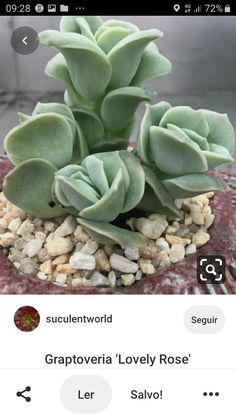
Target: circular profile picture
[{"x": 27, "y": 318}]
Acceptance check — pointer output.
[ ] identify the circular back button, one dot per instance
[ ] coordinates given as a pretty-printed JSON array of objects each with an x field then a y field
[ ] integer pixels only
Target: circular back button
[
  {"x": 86, "y": 394},
  {"x": 24, "y": 40}
]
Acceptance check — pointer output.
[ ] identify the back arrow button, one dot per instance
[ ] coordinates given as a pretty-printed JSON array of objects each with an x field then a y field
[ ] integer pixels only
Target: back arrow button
[{"x": 24, "y": 40}]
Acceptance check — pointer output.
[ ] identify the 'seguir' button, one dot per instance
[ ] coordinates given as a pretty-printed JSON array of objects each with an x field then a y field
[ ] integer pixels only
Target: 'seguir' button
[
  {"x": 204, "y": 319},
  {"x": 86, "y": 394}
]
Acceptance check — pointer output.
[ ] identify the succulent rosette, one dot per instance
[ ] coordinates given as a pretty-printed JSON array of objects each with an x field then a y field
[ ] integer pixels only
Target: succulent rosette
[
  {"x": 104, "y": 186},
  {"x": 178, "y": 145},
  {"x": 98, "y": 190},
  {"x": 103, "y": 66}
]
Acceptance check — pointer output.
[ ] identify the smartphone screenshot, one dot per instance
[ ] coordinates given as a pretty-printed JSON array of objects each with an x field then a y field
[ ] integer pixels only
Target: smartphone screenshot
[{"x": 117, "y": 210}]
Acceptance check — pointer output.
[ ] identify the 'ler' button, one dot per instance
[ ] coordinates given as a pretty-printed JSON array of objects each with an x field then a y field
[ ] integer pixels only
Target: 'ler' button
[{"x": 86, "y": 394}]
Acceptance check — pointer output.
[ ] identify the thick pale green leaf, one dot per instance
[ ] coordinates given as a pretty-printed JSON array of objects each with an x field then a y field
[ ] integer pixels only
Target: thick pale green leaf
[
  {"x": 155, "y": 197},
  {"x": 152, "y": 116},
  {"x": 106, "y": 233},
  {"x": 80, "y": 194},
  {"x": 125, "y": 56},
  {"x": 57, "y": 69},
  {"x": 201, "y": 141},
  {"x": 97, "y": 174},
  {"x": 112, "y": 163},
  {"x": 23, "y": 117},
  {"x": 119, "y": 105},
  {"x": 89, "y": 68},
  {"x": 221, "y": 130},
  {"x": 217, "y": 155},
  {"x": 58, "y": 108},
  {"x": 70, "y": 23},
  {"x": 136, "y": 187},
  {"x": 114, "y": 23},
  {"x": 175, "y": 153},
  {"x": 28, "y": 186},
  {"x": 186, "y": 117},
  {"x": 152, "y": 65},
  {"x": 90, "y": 125},
  {"x": 109, "y": 38},
  {"x": 191, "y": 185},
  {"x": 46, "y": 136},
  {"x": 84, "y": 28},
  {"x": 109, "y": 205}
]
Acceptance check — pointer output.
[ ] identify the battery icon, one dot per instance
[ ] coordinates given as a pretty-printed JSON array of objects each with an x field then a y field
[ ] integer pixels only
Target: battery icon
[{"x": 227, "y": 8}]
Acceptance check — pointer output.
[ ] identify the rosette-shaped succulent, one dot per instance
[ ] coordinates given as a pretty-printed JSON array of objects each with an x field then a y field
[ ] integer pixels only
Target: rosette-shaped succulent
[
  {"x": 103, "y": 66},
  {"x": 104, "y": 186},
  {"x": 98, "y": 190},
  {"x": 177, "y": 147},
  {"x": 51, "y": 133}
]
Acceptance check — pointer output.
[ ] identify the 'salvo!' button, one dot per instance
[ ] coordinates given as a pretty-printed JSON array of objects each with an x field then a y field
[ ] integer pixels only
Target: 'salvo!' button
[
  {"x": 204, "y": 319},
  {"x": 86, "y": 394}
]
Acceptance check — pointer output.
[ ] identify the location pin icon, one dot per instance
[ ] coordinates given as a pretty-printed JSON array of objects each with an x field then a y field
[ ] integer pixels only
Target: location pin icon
[{"x": 176, "y": 7}]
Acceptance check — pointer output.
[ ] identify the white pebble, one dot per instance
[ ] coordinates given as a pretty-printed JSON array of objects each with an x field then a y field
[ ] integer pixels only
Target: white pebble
[
  {"x": 80, "y": 260},
  {"x": 200, "y": 238},
  {"x": 122, "y": 264},
  {"x": 41, "y": 275},
  {"x": 7, "y": 239},
  {"x": 177, "y": 253},
  {"x": 99, "y": 280},
  {"x": 163, "y": 244},
  {"x": 90, "y": 247},
  {"x": 26, "y": 227},
  {"x": 127, "y": 279},
  {"x": 150, "y": 229},
  {"x": 112, "y": 279},
  {"x": 14, "y": 224},
  {"x": 32, "y": 248},
  {"x": 67, "y": 227},
  {"x": 61, "y": 278},
  {"x": 146, "y": 266},
  {"x": 59, "y": 246},
  {"x": 41, "y": 236},
  {"x": 132, "y": 253},
  {"x": 190, "y": 249},
  {"x": 209, "y": 220}
]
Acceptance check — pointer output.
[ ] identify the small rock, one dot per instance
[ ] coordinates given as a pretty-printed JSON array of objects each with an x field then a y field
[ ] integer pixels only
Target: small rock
[
  {"x": 209, "y": 220},
  {"x": 7, "y": 239},
  {"x": 51, "y": 236},
  {"x": 177, "y": 253},
  {"x": 122, "y": 264},
  {"x": 102, "y": 262},
  {"x": 40, "y": 236},
  {"x": 80, "y": 260},
  {"x": 127, "y": 279},
  {"x": 162, "y": 244},
  {"x": 90, "y": 247},
  {"x": 3, "y": 225},
  {"x": 171, "y": 230},
  {"x": 46, "y": 267},
  {"x": 78, "y": 245},
  {"x": 32, "y": 248},
  {"x": 41, "y": 275},
  {"x": 150, "y": 229},
  {"x": 19, "y": 244},
  {"x": 50, "y": 226},
  {"x": 67, "y": 227},
  {"x": 99, "y": 280},
  {"x": 200, "y": 238},
  {"x": 150, "y": 251},
  {"x": 206, "y": 210},
  {"x": 14, "y": 224},
  {"x": 161, "y": 218},
  {"x": 197, "y": 218},
  {"x": 59, "y": 246},
  {"x": 138, "y": 275},
  {"x": 203, "y": 199},
  {"x": 76, "y": 282},
  {"x": 80, "y": 234},
  {"x": 188, "y": 219},
  {"x": 65, "y": 269},
  {"x": 146, "y": 266},
  {"x": 178, "y": 203},
  {"x": 86, "y": 282},
  {"x": 190, "y": 249},
  {"x": 43, "y": 255},
  {"x": 163, "y": 259},
  {"x": 60, "y": 260},
  {"x": 183, "y": 231},
  {"x": 28, "y": 266},
  {"x": 61, "y": 279},
  {"x": 132, "y": 253},
  {"x": 112, "y": 279},
  {"x": 26, "y": 227},
  {"x": 15, "y": 254},
  {"x": 210, "y": 194},
  {"x": 27, "y": 237},
  {"x": 177, "y": 240}
]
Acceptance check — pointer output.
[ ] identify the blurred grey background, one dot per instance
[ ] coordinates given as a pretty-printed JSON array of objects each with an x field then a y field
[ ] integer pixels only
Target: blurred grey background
[{"x": 202, "y": 51}]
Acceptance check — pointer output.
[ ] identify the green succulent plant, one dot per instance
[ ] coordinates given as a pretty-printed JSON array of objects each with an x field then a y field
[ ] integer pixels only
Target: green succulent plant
[
  {"x": 103, "y": 66},
  {"x": 98, "y": 190},
  {"x": 178, "y": 145}
]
